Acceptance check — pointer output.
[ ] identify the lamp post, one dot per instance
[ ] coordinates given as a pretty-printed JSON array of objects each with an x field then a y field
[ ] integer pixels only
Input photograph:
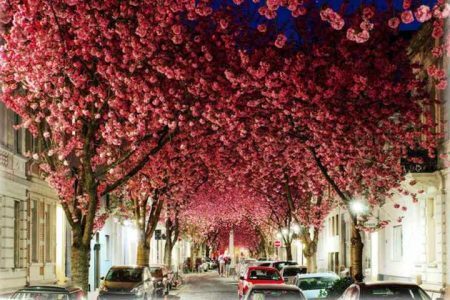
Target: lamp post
[{"x": 356, "y": 208}]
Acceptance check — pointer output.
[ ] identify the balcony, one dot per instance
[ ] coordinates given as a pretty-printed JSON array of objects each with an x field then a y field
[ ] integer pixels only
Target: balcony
[{"x": 418, "y": 161}]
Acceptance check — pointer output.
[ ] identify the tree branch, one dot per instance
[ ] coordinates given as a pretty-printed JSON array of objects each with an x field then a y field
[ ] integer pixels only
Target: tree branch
[{"x": 163, "y": 139}]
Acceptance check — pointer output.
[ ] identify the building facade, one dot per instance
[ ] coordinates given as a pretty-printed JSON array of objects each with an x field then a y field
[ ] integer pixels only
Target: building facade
[{"x": 28, "y": 213}]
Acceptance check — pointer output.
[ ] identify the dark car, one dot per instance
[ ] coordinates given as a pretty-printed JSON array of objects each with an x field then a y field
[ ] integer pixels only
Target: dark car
[
  {"x": 271, "y": 292},
  {"x": 279, "y": 264},
  {"x": 385, "y": 290},
  {"x": 51, "y": 292},
  {"x": 127, "y": 282}
]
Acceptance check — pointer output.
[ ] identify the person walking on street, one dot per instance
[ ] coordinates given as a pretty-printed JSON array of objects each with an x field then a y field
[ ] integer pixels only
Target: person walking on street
[
  {"x": 227, "y": 265},
  {"x": 222, "y": 265}
]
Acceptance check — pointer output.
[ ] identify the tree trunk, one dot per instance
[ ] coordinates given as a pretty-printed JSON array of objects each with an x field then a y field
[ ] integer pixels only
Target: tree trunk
[
  {"x": 356, "y": 252},
  {"x": 310, "y": 253},
  {"x": 168, "y": 252},
  {"x": 194, "y": 254},
  {"x": 288, "y": 251},
  {"x": 80, "y": 259},
  {"x": 143, "y": 253},
  {"x": 311, "y": 263}
]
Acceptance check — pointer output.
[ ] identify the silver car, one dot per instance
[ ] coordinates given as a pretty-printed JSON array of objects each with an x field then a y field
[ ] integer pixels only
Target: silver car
[
  {"x": 314, "y": 285},
  {"x": 274, "y": 291}
]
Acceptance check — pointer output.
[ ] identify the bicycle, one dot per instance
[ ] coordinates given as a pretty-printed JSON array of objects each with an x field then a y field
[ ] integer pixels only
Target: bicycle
[{"x": 177, "y": 280}]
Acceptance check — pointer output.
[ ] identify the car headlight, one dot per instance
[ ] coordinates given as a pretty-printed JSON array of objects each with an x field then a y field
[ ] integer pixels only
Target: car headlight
[{"x": 103, "y": 288}]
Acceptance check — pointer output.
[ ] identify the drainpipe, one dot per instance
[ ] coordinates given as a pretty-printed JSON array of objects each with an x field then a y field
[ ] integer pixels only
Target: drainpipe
[{"x": 96, "y": 262}]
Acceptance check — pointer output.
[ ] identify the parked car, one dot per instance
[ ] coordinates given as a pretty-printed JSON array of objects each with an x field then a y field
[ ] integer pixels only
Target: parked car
[
  {"x": 127, "y": 282},
  {"x": 289, "y": 273},
  {"x": 51, "y": 292},
  {"x": 279, "y": 264},
  {"x": 269, "y": 292},
  {"x": 314, "y": 285},
  {"x": 258, "y": 275},
  {"x": 162, "y": 277},
  {"x": 385, "y": 290}
]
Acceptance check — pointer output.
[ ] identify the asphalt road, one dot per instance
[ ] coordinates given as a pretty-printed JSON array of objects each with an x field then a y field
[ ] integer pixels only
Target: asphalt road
[{"x": 206, "y": 286}]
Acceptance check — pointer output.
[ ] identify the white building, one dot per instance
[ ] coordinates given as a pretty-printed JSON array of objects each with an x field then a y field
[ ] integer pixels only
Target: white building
[{"x": 28, "y": 214}]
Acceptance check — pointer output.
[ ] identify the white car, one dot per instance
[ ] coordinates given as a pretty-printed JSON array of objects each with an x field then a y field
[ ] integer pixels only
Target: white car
[
  {"x": 314, "y": 284},
  {"x": 274, "y": 291}
]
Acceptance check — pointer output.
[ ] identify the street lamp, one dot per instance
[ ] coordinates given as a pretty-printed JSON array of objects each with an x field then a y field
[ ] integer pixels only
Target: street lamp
[{"x": 357, "y": 207}]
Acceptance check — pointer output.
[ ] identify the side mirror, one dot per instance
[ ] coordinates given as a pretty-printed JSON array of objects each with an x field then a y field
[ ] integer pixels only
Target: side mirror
[
  {"x": 102, "y": 278},
  {"x": 241, "y": 277}
]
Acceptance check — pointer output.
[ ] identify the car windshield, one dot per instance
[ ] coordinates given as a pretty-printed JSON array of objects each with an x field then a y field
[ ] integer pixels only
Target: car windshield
[
  {"x": 259, "y": 274},
  {"x": 124, "y": 275},
  {"x": 39, "y": 296},
  {"x": 393, "y": 292},
  {"x": 316, "y": 283},
  {"x": 293, "y": 271},
  {"x": 275, "y": 294},
  {"x": 156, "y": 272}
]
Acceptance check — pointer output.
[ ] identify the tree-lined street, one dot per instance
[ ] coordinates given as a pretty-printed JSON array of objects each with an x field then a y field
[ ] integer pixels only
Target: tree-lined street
[{"x": 165, "y": 135}]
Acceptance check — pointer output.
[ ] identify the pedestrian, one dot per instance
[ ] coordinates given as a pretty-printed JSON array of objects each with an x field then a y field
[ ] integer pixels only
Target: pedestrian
[
  {"x": 227, "y": 265},
  {"x": 221, "y": 265}
]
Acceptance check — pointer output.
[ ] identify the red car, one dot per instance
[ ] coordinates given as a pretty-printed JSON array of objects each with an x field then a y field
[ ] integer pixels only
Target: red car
[{"x": 258, "y": 275}]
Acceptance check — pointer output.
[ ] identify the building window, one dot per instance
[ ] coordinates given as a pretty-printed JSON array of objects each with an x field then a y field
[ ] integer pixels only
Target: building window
[
  {"x": 34, "y": 232},
  {"x": 430, "y": 231},
  {"x": 10, "y": 137},
  {"x": 16, "y": 234},
  {"x": 49, "y": 239},
  {"x": 108, "y": 247},
  {"x": 334, "y": 225},
  {"x": 397, "y": 243}
]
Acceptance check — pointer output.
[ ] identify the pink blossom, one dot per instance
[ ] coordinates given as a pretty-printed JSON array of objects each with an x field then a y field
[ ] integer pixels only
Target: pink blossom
[
  {"x": 407, "y": 16},
  {"x": 362, "y": 36},
  {"x": 280, "y": 41},
  {"x": 438, "y": 29},
  {"x": 262, "y": 27},
  {"x": 365, "y": 25},
  {"x": 394, "y": 22},
  {"x": 423, "y": 13},
  {"x": 368, "y": 13},
  {"x": 351, "y": 34},
  {"x": 441, "y": 85}
]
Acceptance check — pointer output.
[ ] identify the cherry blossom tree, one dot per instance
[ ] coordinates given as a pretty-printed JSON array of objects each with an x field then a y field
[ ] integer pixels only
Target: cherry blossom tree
[{"x": 97, "y": 83}]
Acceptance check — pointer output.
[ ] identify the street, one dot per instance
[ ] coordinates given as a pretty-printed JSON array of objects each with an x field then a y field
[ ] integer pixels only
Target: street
[{"x": 206, "y": 286}]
